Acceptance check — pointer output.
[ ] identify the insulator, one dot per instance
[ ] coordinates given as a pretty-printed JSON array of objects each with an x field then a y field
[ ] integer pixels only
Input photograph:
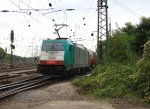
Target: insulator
[{"x": 50, "y": 5}]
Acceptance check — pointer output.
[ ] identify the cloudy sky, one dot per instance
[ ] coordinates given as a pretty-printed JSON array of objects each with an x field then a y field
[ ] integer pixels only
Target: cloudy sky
[{"x": 34, "y": 20}]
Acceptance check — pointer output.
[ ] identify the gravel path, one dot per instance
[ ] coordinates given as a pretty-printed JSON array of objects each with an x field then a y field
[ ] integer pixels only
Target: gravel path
[{"x": 59, "y": 96}]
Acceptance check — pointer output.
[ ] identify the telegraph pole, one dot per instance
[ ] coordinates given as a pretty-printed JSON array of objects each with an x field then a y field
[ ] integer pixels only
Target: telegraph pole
[{"x": 102, "y": 27}]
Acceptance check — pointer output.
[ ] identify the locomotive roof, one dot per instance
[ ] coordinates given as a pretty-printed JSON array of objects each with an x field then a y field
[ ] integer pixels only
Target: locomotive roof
[
  {"x": 80, "y": 46},
  {"x": 58, "y": 40},
  {"x": 62, "y": 40}
]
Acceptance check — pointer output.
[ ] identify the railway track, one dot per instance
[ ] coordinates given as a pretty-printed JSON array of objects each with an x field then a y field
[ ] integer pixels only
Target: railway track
[
  {"x": 16, "y": 87},
  {"x": 15, "y": 69},
  {"x": 2, "y": 77},
  {"x": 13, "y": 74}
]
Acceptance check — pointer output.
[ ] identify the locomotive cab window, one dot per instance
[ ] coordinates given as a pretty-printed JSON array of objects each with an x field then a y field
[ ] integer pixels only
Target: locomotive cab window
[{"x": 53, "y": 46}]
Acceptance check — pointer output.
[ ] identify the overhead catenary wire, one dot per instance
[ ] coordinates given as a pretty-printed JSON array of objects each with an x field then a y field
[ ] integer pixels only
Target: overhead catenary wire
[
  {"x": 42, "y": 3},
  {"x": 60, "y": 8},
  {"x": 26, "y": 15},
  {"x": 12, "y": 28},
  {"x": 28, "y": 5},
  {"x": 87, "y": 12},
  {"x": 29, "y": 14},
  {"x": 89, "y": 18},
  {"x": 64, "y": 10},
  {"x": 36, "y": 11},
  {"x": 24, "y": 9},
  {"x": 126, "y": 8},
  {"x": 55, "y": 9}
]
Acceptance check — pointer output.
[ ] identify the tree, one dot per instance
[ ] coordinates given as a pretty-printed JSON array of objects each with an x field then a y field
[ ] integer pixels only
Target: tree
[
  {"x": 119, "y": 47},
  {"x": 142, "y": 78},
  {"x": 2, "y": 54},
  {"x": 129, "y": 29},
  {"x": 142, "y": 34}
]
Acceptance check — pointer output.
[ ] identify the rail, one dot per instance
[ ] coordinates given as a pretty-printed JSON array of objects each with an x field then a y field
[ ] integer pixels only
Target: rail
[
  {"x": 16, "y": 69},
  {"x": 16, "y": 87}
]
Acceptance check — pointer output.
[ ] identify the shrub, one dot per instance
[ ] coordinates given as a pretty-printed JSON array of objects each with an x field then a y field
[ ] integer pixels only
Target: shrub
[
  {"x": 142, "y": 78},
  {"x": 119, "y": 48},
  {"x": 107, "y": 81}
]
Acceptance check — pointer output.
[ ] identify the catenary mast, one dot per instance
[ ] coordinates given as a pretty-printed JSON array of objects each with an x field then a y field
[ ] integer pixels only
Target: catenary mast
[{"x": 102, "y": 27}]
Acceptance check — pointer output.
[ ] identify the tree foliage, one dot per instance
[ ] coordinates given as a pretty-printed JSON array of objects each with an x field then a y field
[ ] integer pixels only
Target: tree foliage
[
  {"x": 119, "y": 47},
  {"x": 121, "y": 77},
  {"x": 2, "y": 54},
  {"x": 141, "y": 32},
  {"x": 143, "y": 73},
  {"x": 129, "y": 29}
]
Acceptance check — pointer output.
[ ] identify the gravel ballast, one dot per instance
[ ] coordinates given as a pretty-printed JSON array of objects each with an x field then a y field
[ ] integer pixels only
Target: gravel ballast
[{"x": 61, "y": 95}]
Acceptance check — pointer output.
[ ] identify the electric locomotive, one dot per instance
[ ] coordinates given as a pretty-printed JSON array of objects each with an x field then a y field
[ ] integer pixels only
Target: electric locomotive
[{"x": 62, "y": 57}]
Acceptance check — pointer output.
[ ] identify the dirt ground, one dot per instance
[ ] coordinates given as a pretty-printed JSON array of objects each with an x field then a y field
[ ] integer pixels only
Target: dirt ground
[{"x": 62, "y": 95}]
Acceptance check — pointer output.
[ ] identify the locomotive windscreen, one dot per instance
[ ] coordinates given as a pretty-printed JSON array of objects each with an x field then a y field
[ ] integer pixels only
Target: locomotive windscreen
[{"x": 53, "y": 47}]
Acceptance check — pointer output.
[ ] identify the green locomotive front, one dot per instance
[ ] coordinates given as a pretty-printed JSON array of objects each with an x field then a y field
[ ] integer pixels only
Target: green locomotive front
[{"x": 62, "y": 57}]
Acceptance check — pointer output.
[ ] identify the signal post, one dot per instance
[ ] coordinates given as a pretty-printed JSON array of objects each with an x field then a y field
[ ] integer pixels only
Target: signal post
[{"x": 12, "y": 47}]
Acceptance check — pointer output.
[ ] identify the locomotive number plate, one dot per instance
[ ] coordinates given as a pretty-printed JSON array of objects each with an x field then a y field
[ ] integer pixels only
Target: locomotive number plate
[{"x": 51, "y": 58}]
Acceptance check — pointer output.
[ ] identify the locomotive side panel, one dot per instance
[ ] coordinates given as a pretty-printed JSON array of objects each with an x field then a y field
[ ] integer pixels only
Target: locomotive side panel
[
  {"x": 81, "y": 58},
  {"x": 69, "y": 56}
]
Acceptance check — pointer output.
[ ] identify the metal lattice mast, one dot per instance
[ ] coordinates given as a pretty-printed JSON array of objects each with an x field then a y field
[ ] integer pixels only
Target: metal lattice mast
[{"x": 102, "y": 29}]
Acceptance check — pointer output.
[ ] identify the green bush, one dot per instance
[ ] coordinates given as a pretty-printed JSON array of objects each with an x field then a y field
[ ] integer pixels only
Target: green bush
[
  {"x": 119, "y": 80},
  {"x": 2, "y": 54},
  {"x": 107, "y": 81},
  {"x": 142, "y": 78},
  {"x": 119, "y": 48}
]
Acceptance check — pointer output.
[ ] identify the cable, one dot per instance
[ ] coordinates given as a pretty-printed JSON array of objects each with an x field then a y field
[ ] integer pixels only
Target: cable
[
  {"x": 29, "y": 25},
  {"x": 61, "y": 8},
  {"x": 5, "y": 25},
  {"x": 126, "y": 8},
  {"x": 65, "y": 14},
  {"x": 15, "y": 4},
  {"x": 87, "y": 12},
  {"x": 42, "y": 3},
  {"x": 36, "y": 11},
  {"x": 91, "y": 16},
  {"x": 55, "y": 11},
  {"x": 30, "y": 15}
]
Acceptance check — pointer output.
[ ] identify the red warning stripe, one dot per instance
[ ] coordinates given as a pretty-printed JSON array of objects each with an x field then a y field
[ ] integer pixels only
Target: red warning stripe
[{"x": 54, "y": 62}]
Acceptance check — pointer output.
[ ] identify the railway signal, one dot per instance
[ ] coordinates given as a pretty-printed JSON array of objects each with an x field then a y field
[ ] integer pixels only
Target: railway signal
[
  {"x": 12, "y": 47},
  {"x": 12, "y": 36}
]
